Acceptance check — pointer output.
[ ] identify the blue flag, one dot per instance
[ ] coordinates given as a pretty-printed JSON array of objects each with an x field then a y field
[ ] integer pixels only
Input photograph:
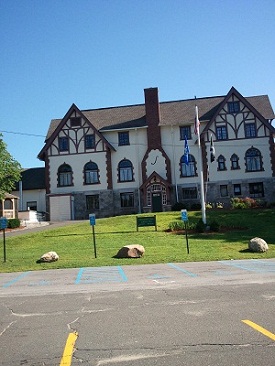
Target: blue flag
[{"x": 186, "y": 152}]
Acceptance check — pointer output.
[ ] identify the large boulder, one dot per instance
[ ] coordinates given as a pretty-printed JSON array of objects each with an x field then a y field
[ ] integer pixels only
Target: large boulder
[
  {"x": 48, "y": 257},
  {"x": 131, "y": 251},
  {"x": 257, "y": 245}
]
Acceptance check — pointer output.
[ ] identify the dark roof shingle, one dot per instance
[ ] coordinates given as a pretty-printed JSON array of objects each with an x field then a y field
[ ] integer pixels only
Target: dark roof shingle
[
  {"x": 33, "y": 178},
  {"x": 171, "y": 113}
]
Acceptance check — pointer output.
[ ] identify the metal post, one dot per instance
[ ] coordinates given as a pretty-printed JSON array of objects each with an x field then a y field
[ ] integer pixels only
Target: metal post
[
  {"x": 94, "y": 240},
  {"x": 4, "y": 243},
  {"x": 186, "y": 236}
]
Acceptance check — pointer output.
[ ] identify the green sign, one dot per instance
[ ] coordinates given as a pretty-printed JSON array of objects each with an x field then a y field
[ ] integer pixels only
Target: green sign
[{"x": 147, "y": 221}]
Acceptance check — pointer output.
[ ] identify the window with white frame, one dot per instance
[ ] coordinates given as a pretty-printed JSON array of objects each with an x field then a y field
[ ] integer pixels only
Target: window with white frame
[
  {"x": 188, "y": 170},
  {"x": 91, "y": 175},
  {"x": 65, "y": 175},
  {"x": 125, "y": 171},
  {"x": 253, "y": 160}
]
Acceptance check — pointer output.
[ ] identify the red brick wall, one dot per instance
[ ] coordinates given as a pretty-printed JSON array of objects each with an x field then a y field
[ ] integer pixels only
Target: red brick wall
[{"x": 152, "y": 117}]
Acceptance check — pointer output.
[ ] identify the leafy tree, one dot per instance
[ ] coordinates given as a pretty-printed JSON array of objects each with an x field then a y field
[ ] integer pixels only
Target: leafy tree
[{"x": 10, "y": 170}]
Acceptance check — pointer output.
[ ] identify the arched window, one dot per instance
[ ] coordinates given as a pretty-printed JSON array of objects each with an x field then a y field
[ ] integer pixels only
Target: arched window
[
  {"x": 91, "y": 173},
  {"x": 253, "y": 160},
  {"x": 221, "y": 163},
  {"x": 190, "y": 169},
  {"x": 125, "y": 171},
  {"x": 234, "y": 162},
  {"x": 65, "y": 175}
]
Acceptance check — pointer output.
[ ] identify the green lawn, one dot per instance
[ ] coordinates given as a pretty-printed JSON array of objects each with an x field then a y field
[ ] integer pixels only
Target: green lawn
[{"x": 74, "y": 243}]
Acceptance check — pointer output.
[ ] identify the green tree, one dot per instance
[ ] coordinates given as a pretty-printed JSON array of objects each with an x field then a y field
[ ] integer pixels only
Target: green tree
[{"x": 10, "y": 170}]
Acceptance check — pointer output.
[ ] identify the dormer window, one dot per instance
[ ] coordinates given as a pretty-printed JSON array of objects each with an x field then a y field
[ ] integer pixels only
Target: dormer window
[
  {"x": 123, "y": 138},
  {"x": 75, "y": 121},
  {"x": 233, "y": 107},
  {"x": 185, "y": 131}
]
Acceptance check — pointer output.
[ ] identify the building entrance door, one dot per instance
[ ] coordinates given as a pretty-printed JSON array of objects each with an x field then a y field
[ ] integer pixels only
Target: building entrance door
[{"x": 156, "y": 202}]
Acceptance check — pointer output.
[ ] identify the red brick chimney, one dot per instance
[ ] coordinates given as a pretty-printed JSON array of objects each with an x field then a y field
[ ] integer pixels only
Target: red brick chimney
[{"x": 152, "y": 118}]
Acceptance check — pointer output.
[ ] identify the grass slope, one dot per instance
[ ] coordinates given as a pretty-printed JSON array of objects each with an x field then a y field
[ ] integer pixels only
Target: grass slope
[{"x": 74, "y": 243}]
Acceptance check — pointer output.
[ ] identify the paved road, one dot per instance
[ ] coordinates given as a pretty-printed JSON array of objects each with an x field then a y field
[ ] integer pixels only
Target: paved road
[{"x": 169, "y": 314}]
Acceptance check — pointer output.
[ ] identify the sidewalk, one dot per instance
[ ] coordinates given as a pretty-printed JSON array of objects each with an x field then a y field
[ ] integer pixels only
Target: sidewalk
[{"x": 40, "y": 226}]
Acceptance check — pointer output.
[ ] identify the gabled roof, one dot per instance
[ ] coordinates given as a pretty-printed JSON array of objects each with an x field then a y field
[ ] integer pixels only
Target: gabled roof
[
  {"x": 58, "y": 125},
  {"x": 33, "y": 178},
  {"x": 10, "y": 196},
  {"x": 155, "y": 175},
  {"x": 178, "y": 112},
  {"x": 246, "y": 102}
]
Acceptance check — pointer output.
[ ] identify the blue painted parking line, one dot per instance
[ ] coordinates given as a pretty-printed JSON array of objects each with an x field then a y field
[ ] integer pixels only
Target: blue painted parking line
[
  {"x": 99, "y": 275},
  {"x": 190, "y": 274},
  {"x": 16, "y": 279},
  {"x": 252, "y": 265}
]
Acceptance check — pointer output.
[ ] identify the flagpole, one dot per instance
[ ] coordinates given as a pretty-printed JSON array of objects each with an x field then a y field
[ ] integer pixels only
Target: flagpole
[{"x": 200, "y": 167}]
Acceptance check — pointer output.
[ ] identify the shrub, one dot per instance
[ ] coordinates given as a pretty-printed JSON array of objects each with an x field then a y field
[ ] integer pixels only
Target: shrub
[
  {"x": 242, "y": 203},
  {"x": 200, "y": 226},
  {"x": 178, "y": 206},
  {"x": 261, "y": 203},
  {"x": 195, "y": 207},
  {"x": 176, "y": 225},
  {"x": 215, "y": 226},
  {"x": 13, "y": 223}
]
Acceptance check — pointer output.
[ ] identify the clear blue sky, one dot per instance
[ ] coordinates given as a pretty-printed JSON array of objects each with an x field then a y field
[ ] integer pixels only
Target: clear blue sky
[{"x": 102, "y": 53}]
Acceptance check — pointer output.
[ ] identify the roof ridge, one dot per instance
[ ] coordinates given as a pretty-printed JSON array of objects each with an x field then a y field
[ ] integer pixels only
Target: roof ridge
[{"x": 113, "y": 107}]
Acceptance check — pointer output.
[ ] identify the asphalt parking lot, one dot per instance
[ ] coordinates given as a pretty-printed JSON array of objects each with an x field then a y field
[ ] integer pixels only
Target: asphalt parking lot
[{"x": 208, "y": 313}]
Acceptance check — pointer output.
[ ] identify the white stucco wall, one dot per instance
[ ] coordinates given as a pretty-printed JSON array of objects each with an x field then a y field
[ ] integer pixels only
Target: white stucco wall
[
  {"x": 133, "y": 152},
  {"x": 37, "y": 195},
  {"x": 239, "y": 147},
  {"x": 77, "y": 163}
]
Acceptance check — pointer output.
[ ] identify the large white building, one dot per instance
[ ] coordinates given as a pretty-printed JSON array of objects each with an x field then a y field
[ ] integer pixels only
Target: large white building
[{"x": 130, "y": 159}]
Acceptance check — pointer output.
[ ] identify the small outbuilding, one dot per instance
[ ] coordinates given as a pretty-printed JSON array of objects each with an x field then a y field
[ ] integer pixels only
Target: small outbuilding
[{"x": 9, "y": 206}]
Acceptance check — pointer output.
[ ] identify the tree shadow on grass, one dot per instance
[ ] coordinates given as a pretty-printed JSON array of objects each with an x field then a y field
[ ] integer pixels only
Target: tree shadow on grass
[{"x": 89, "y": 233}]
